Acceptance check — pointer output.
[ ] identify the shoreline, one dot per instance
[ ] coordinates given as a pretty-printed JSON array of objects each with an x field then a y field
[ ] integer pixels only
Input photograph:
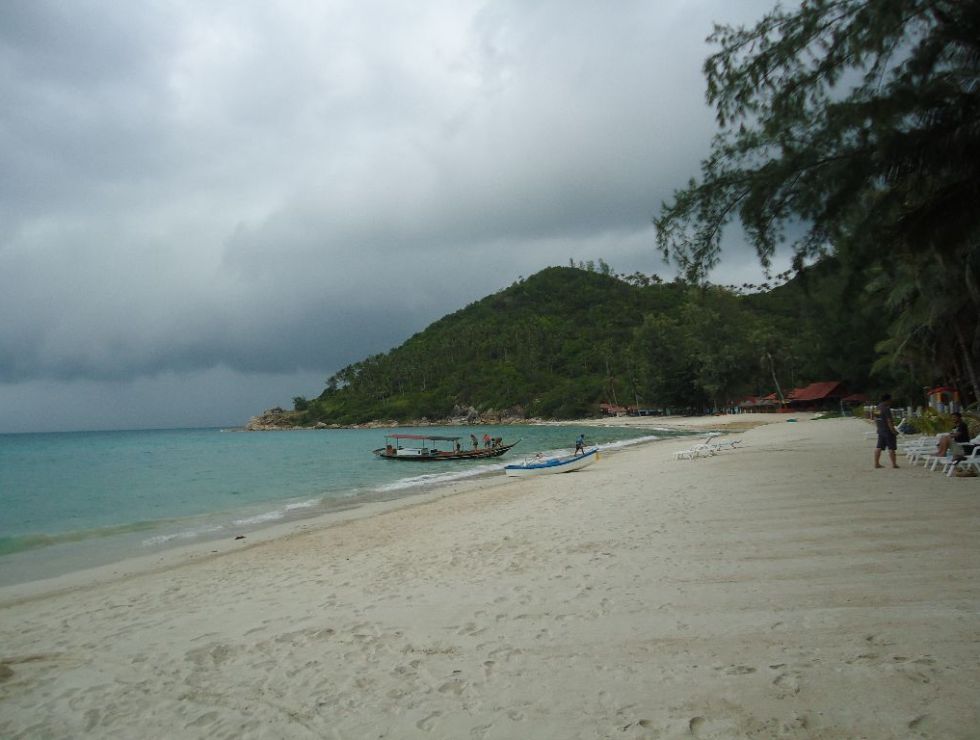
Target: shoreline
[
  {"x": 783, "y": 588},
  {"x": 255, "y": 424},
  {"x": 107, "y": 566},
  {"x": 173, "y": 553}
]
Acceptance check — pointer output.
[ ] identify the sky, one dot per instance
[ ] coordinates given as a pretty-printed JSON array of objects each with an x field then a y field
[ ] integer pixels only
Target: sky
[{"x": 208, "y": 208}]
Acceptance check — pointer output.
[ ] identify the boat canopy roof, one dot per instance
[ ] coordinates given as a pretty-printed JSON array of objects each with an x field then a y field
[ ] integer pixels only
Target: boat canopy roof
[{"x": 421, "y": 436}]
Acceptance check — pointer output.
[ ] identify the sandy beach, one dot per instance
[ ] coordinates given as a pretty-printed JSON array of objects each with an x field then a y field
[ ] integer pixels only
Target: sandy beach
[{"x": 780, "y": 589}]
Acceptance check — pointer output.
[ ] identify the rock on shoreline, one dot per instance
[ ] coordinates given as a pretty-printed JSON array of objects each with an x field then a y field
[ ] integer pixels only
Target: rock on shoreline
[{"x": 274, "y": 420}]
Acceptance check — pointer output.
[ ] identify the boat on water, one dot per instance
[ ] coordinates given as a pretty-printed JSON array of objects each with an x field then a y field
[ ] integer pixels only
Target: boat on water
[
  {"x": 421, "y": 447},
  {"x": 547, "y": 465}
]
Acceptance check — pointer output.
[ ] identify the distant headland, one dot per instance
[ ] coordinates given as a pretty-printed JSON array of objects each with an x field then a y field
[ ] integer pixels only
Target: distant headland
[{"x": 279, "y": 419}]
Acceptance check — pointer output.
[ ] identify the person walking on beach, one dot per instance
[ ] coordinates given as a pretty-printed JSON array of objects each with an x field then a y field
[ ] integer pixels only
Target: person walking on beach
[
  {"x": 887, "y": 435},
  {"x": 580, "y": 444}
]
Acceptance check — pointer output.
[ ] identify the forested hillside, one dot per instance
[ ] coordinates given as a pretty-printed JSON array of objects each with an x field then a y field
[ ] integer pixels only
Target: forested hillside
[{"x": 560, "y": 342}]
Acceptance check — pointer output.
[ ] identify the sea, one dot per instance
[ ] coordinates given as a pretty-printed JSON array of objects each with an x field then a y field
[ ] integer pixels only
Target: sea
[{"x": 75, "y": 500}]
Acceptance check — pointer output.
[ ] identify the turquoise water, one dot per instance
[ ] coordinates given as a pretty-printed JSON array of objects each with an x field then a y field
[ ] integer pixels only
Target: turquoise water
[{"x": 70, "y": 500}]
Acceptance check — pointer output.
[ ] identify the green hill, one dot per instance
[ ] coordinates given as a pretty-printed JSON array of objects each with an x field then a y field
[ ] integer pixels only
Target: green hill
[{"x": 564, "y": 340}]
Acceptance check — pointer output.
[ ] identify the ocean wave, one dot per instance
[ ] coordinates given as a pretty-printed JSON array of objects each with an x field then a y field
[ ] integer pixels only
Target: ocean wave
[
  {"x": 417, "y": 481},
  {"x": 186, "y": 534},
  {"x": 264, "y": 518},
  {"x": 303, "y": 504},
  {"x": 629, "y": 442},
  {"x": 277, "y": 514}
]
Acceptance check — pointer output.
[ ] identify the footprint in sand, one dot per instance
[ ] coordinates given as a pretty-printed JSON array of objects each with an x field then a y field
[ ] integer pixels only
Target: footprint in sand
[
  {"x": 92, "y": 717},
  {"x": 205, "y": 719},
  {"x": 787, "y": 684},
  {"x": 427, "y": 723},
  {"x": 920, "y": 722},
  {"x": 454, "y": 687},
  {"x": 863, "y": 658},
  {"x": 738, "y": 670},
  {"x": 878, "y": 640},
  {"x": 639, "y": 723}
]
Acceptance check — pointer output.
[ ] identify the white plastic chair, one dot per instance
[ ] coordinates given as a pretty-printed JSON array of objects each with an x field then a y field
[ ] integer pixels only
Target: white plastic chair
[
  {"x": 701, "y": 449},
  {"x": 971, "y": 460},
  {"x": 923, "y": 451}
]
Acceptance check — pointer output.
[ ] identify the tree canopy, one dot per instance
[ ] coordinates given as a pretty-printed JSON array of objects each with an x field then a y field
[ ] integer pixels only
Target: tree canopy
[{"x": 852, "y": 127}]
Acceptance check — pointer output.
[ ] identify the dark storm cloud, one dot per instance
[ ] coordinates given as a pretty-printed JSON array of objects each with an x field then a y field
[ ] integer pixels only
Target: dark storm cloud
[{"x": 287, "y": 188}]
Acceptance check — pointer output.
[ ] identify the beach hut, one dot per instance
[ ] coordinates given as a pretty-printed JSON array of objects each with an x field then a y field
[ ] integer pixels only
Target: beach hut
[
  {"x": 758, "y": 403},
  {"x": 611, "y": 409},
  {"x": 943, "y": 399},
  {"x": 824, "y": 394}
]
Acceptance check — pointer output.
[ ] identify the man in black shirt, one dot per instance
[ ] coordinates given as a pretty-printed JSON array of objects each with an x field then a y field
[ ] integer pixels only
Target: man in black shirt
[
  {"x": 887, "y": 436},
  {"x": 959, "y": 434}
]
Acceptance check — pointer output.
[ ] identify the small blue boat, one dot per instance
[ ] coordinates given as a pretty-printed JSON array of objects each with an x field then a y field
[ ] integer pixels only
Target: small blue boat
[{"x": 546, "y": 465}]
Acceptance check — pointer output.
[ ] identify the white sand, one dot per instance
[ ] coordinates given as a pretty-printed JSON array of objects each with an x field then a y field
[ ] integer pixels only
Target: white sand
[{"x": 783, "y": 589}]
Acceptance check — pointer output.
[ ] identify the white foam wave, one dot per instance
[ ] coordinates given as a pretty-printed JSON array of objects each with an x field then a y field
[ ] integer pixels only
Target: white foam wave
[
  {"x": 268, "y": 516},
  {"x": 437, "y": 478},
  {"x": 187, "y": 534},
  {"x": 628, "y": 442},
  {"x": 303, "y": 505}
]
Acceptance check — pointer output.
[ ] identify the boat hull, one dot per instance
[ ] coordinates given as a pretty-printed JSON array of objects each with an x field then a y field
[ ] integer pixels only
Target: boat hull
[{"x": 554, "y": 465}]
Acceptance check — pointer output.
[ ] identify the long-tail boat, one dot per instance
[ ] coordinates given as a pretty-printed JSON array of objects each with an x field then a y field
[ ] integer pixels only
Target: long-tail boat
[{"x": 424, "y": 447}]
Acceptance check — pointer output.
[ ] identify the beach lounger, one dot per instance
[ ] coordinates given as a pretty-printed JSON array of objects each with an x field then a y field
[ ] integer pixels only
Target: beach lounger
[
  {"x": 919, "y": 440},
  {"x": 951, "y": 459},
  {"x": 699, "y": 450},
  {"x": 920, "y": 450},
  {"x": 702, "y": 449},
  {"x": 707, "y": 448},
  {"x": 932, "y": 460},
  {"x": 970, "y": 461},
  {"x": 684, "y": 455}
]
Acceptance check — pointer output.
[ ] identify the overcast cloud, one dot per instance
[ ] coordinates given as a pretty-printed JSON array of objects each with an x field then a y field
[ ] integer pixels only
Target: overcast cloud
[{"x": 208, "y": 208}]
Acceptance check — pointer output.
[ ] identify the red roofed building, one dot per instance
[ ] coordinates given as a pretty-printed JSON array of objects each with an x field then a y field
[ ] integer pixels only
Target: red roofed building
[
  {"x": 610, "y": 409},
  {"x": 759, "y": 403},
  {"x": 824, "y": 394}
]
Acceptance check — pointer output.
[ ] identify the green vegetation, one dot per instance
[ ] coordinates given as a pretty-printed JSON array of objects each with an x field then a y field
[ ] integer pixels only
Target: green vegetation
[
  {"x": 561, "y": 342},
  {"x": 850, "y": 127},
  {"x": 933, "y": 422}
]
